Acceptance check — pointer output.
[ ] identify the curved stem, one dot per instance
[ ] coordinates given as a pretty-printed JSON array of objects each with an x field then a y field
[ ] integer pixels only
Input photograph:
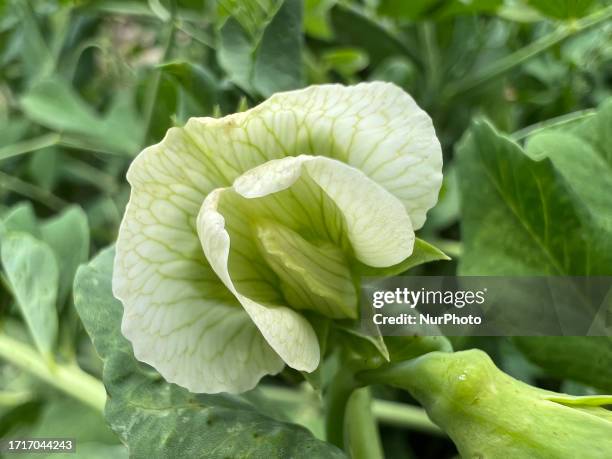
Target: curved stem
[
  {"x": 67, "y": 378},
  {"x": 361, "y": 427},
  {"x": 516, "y": 58}
]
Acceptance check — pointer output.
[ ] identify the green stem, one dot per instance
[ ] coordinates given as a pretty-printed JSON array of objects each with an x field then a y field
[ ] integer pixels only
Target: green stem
[
  {"x": 516, "y": 58},
  {"x": 26, "y": 146},
  {"x": 67, "y": 378},
  {"x": 386, "y": 412},
  {"x": 14, "y": 398},
  {"x": 336, "y": 399},
  {"x": 31, "y": 191},
  {"x": 427, "y": 34},
  {"x": 402, "y": 415},
  {"x": 361, "y": 427}
]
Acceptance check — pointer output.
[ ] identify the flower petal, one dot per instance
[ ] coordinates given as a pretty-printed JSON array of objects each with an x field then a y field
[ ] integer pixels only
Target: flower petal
[
  {"x": 376, "y": 223},
  {"x": 289, "y": 333},
  {"x": 311, "y": 277},
  {"x": 179, "y": 317},
  {"x": 159, "y": 266},
  {"x": 375, "y": 127}
]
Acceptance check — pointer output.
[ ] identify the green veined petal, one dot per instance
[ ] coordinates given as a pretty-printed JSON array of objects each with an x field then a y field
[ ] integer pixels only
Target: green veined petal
[
  {"x": 160, "y": 268},
  {"x": 312, "y": 277},
  {"x": 376, "y": 224},
  {"x": 179, "y": 317},
  {"x": 289, "y": 334},
  {"x": 375, "y": 127}
]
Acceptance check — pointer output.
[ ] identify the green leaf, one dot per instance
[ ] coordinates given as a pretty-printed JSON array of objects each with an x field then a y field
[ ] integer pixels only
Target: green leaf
[
  {"x": 53, "y": 103},
  {"x": 32, "y": 272},
  {"x": 419, "y": 9},
  {"x": 154, "y": 418},
  {"x": 262, "y": 54},
  {"x": 278, "y": 65},
  {"x": 520, "y": 217},
  {"x": 586, "y": 359},
  {"x": 197, "y": 81},
  {"x": 68, "y": 418},
  {"x": 345, "y": 61},
  {"x": 585, "y": 170},
  {"x": 562, "y": 9},
  {"x": 68, "y": 235},
  {"x": 317, "y": 18},
  {"x": 235, "y": 54},
  {"x": 21, "y": 218},
  {"x": 355, "y": 29},
  {"x": 37, "y": 58},
  {"x": 423, "y": 252},
  {"x": 528, "y": 217},
  {"x": 311, "y": 277},
  {"x": 252, "y": 15}
]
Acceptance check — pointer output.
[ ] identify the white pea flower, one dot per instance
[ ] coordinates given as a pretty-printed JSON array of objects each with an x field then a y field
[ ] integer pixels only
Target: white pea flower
[{"x": 237, "y": 225}]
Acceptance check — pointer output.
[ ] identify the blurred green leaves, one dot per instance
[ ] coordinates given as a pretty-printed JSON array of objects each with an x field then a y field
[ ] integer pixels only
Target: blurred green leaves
[
  {"x": 33, "y": 275},
  {"x": 562, "y": 9},
  {"x": 67, "y": 234},
  {"x": 79, "y": 99},
  {"x": 261, "y": 53},
  {"x": 54, "y": 104},
  {"x": 39, "y": 260},
  {"x": 421, "y": 9},
  {"x": 155, "y": 418}
]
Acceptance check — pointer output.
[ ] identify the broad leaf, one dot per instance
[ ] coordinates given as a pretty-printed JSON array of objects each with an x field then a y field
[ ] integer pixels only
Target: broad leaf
[
  {"x": 585, "y": 359},
  {"x": 21, "y": 218},
  {"x": 68, "y": 235},
  {"x": 32, "y": 272},
  {"x": 197, "y": 81},
  {"x": 155, "y": 418},
  {"x": 278, "y": 65},
  {"x": 261, "y": 51},
  {"x": 68, "y": 418},
  {"x": 520, "y": 217},
  {"x": 583, "y": 156},
  {"x": 528, "y": 217},
  {"x": 53, "y": 103}
]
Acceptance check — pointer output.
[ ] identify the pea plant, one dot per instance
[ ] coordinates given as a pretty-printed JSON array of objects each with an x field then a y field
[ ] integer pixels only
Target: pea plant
[{"x": 194, "y": 191}]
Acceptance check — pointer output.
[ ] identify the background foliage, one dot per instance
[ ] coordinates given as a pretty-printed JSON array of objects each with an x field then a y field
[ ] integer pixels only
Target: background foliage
[{"x": 84, "y": 85}]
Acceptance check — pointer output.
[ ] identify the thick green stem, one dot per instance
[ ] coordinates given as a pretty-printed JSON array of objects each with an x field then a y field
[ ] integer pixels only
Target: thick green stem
[
  {"x": 67, "y": 378},
  {"x": 516, "y": 58},
  {"x": 386, "y": 412},
  {"x": 361, "y": 427},
  {"x": 406, "y": 416},
  {"x": 336, "y": 400}
]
